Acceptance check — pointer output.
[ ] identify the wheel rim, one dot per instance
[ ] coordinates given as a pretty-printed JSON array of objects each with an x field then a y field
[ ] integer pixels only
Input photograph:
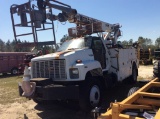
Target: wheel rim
[
  {"x": 14, "y": 71},
  {"x": 94, "y": 95}
]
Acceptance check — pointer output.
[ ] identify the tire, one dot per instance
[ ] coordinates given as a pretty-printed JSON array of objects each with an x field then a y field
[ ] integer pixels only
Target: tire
[
  {"x": 132, "y": 90},
  {"x": 133, "y": 78},
  {"x": 156, "y": 68},
  {"x": 14, "y": 71},
  {"x": 90, "y": 94}
]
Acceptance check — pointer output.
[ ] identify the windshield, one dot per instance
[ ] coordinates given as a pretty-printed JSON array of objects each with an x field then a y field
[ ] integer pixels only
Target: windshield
[{"x": 72, "y": 44}]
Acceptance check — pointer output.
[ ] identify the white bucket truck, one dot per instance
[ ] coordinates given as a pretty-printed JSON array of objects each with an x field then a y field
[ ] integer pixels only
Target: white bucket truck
[{"x": 84, "y": 66}]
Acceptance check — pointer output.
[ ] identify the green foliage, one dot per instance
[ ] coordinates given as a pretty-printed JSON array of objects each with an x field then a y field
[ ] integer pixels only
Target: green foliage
[
  {"x": 9, "y": 46},
  {"x": 2, "y": 46},
  {"x": 12, "y": 47},
  {"x": 157, "y": 43},
  {"x": 125, "y": 42},
  {"x": 130, "y": 42},
  {"x": 145, "y": 43}
]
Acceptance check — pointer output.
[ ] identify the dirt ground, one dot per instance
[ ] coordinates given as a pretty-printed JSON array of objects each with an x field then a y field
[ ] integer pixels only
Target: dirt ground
[
  {"x": 65, "y": 110},
  {"x": 145, "y": 72}
]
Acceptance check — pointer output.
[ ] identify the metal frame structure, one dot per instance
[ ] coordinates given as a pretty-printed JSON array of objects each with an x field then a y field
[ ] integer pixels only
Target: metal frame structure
[
  {"x": 84, "y": 25},
  {"x": 140, "y": 101},
  {"x": 22, "y": 10}
]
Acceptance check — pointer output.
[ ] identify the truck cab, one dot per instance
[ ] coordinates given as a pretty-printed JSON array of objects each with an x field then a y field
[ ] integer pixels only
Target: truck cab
[{"x": 74, "y": 59}]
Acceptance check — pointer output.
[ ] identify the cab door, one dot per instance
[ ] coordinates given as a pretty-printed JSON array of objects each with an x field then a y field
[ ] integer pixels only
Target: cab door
[{"x": 99, "y": 51}]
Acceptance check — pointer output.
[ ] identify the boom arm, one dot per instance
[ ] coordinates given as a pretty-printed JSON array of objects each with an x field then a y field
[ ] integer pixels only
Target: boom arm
[{"x": 84, "y": 25}]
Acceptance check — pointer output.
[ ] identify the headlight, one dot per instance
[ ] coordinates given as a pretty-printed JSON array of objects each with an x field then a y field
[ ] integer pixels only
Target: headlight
[{"x": 74, "y": 73}]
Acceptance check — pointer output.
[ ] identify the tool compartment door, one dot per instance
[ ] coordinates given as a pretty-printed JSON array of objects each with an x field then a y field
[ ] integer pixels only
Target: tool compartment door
[{"x": 125, "y": 65}]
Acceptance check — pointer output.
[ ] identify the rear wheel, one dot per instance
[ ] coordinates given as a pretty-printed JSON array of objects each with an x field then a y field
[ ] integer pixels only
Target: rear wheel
[
  {"x": 14, "y": 71},
  {"x": 132, "y": 90},
  {"x": 90, "y": 94}
]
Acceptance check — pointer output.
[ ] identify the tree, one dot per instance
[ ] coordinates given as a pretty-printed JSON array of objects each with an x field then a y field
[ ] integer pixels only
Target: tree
[
  {"x": 2, "y": 46},
  {"x": 13, "y": 44},
  {"x": 25, "y": 48},
  {"x": 145, "y": 42},
  {"x": 148, "y": 41},
  {"x": 124, "y": 42},
  {"x": 157, "y": 43},
  {"x": 130, "y": 42},
  {"x": 141, "y": 40},
  {"x": 8, "y": 47}
]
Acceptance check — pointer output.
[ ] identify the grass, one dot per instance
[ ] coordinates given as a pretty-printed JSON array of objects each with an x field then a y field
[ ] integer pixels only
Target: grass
[{"x": 9, "y": 90}]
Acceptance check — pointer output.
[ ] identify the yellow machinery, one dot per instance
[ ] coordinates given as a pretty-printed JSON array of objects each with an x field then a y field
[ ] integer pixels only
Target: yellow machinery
[
  {"x": 142, "y": 104},
  {"x": 145, "y": 57}
]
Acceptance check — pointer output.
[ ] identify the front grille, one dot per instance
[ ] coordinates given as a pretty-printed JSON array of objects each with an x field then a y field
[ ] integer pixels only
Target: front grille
[{"x": 54, "y": 69}]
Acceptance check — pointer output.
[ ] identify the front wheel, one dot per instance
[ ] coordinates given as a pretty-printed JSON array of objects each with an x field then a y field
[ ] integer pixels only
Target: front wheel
[{"x": 90, "y": 94}]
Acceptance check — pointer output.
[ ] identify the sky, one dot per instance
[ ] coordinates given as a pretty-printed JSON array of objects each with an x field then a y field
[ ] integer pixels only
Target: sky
[{"x": 137, "y": 17}]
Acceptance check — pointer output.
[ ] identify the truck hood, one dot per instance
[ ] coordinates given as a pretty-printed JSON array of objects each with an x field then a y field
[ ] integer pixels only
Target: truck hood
[{"x": 71, "y": 54}]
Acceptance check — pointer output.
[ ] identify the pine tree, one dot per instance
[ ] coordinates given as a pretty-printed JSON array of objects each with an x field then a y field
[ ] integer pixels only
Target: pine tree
[{"x": 2, "y": 46}]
